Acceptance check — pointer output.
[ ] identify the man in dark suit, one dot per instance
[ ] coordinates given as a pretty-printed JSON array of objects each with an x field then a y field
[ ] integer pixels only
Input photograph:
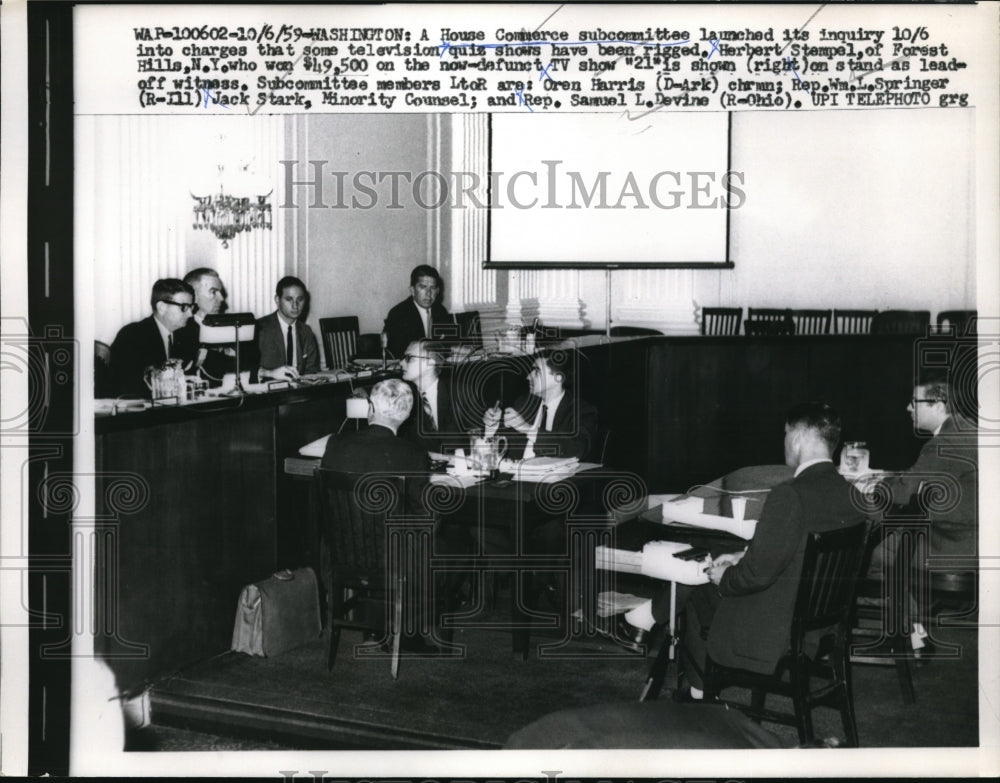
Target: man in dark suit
[
  {"x": 552, "y": 420},
  {"x": 210, "y": 299},
  {"x": 434, "y": 422},
  {"x": 376, "y": 449},
  {"x": 746, "y": 611},
  {"x": 947, "y": 472},
  {"x": 421, "y": 315},
  {"x": 286, "y": 345},
  {"x": 153, "y": 340}
]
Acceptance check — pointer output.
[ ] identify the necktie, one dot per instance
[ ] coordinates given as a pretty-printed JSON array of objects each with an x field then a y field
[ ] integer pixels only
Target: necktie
[
  {"x": 289, "y": 347},
  {"x": 426, "y": 315},
  {"x": 427, "y": 409},
  {"x": 544, "y": 424},
  {"x": 170, "y": 346}
]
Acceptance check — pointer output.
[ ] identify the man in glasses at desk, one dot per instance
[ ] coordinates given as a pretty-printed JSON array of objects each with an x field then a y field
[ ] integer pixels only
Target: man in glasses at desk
[{"x": 154, "y": 339}]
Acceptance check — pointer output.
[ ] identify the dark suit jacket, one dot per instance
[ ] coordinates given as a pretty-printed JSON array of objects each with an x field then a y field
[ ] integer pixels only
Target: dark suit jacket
[
  {"x": 750, "y": 629},
  {"x": 449, "y": 433},
  {"x": 217, "y": 362},
  {"x": 270, "y": 338},
  {"x": 573, "y": 433},
  {"x": 376, "y": 449},
  {"x": 137, "y": 346},
  {"x": 403, "y": 325},
  {"x": 948, "y": 467}
]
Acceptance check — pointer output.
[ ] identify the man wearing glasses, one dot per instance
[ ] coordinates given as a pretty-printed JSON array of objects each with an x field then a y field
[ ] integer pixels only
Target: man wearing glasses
[
  {"x": 421, "y": 316},
  {"x": 433, "y": 423},
  {"x": 155, "y": 339},
  {"x": 943, "y": 482}
]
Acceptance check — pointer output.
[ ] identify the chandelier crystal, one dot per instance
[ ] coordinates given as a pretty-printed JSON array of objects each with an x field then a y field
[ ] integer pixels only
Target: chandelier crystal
[{"x": 228, "y": 214}]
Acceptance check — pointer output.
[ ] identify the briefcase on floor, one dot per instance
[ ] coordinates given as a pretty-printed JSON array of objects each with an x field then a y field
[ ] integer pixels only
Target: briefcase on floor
[{"x": 277, "y": 614}]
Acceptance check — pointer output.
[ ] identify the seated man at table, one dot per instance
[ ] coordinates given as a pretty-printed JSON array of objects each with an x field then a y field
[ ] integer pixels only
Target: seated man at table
[
  {"x": 154, "y": 339},
  {"x": 947, "y": 472},
  {"x": 421, "y": 315},
  {"x": 433, "y": 422},
  {"x": 376, "y": 449},
  {"x": 745, "y": 612},
  {"x": 551, "y": 421},
  {"x": 287, "y": 346},
  {"x": 210, "y": 297}
]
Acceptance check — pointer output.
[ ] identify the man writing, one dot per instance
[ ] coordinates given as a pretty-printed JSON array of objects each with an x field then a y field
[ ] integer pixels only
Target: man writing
[
  {"x": 154, "y": 339},
  {"x": 287, "y": 347},
  {"x": 743, "y": 617},
  {"x": 421, "y": 315}
]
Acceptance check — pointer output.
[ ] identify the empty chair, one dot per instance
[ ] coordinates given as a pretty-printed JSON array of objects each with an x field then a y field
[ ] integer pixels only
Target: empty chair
[
  {"x": 768, "y": 321},
  {"x": 811, "y": 321},
  {"x": 340, "y": 340},
  {"x": 853, "y": 321},
  {"x": 721, "y": 320},
  {"x": 469, "y": 327},
  {"x": 958, "y": 322},
  {"x": 823, "y": 607},
  {"x": 913, "y": 322}
]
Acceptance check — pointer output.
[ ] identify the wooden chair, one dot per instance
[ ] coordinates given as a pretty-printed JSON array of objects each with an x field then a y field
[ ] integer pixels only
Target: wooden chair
[
  {"x": 354, "y": 509},
  {"x": 881, "y": 614},
  {"x": 959, "y": 322},
  {"x": 340, "y": 340},
  {"x": 853, "y": 321},
  {"x": 823, "y": 605},
  {"x": 768, "y": 321},
  {"x": 469, "y": 328},
  {"x": 811, "y": 321},
  {"x": 102, "y": 370},
  {"x": 912, "y": 322},
  {"x": 721, "y": 320}
]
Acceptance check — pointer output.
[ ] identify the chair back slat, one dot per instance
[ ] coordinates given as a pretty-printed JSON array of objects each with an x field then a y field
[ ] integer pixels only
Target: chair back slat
[
  {"x": 354, "y": 510},
  {"x": 721, "y": 320},
  {"x": 853, "y": 321},
  {"x": 811, "y": 321},
  {"x": 830, "y": 569},
  {"x": 340, "y": 340}
]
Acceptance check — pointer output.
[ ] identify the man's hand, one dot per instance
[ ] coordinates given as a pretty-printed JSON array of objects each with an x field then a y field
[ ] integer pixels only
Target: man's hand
[
  {"x": 715, "y": 571},
  {"x": 516, "y": 421},
  {"x": 285, "y": 373},
  {"x": 492, "y": 417}
]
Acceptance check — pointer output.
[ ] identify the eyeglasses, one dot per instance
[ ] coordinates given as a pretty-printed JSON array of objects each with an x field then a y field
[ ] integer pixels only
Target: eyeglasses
[
  {"x": 185, "y": 306},
  {"x": 915, "y": 400},
  {"x": 409, "y": 357}
]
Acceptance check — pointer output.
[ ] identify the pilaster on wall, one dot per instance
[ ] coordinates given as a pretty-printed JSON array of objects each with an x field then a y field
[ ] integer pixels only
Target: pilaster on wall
[{"x": 472, "y": 287}]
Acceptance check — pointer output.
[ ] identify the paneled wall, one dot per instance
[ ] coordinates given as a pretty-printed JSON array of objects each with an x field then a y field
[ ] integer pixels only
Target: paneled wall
[{"x": 135, "y": 201}]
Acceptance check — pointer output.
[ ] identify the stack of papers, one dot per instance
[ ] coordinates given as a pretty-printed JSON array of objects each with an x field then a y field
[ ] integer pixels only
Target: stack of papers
[{"x": 541, "y": 468}]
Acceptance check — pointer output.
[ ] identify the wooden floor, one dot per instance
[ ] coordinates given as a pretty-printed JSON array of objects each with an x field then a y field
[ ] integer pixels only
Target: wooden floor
[{"x": 476, "y": 699}]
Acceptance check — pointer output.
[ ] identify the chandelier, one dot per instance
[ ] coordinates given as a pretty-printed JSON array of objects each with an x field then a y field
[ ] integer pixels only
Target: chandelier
[{"x": 228, "y": 214}]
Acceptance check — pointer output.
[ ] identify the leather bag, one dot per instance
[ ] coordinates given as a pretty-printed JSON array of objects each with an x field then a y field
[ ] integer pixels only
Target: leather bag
[{"x": 277, "y": 614}]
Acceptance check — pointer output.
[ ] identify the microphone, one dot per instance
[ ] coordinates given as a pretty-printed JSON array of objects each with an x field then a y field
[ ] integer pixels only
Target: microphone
[{"x": 384, "y": 339}]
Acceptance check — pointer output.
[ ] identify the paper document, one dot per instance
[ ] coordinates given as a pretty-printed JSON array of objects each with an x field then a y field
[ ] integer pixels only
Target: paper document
[{"x": 679, "y": 512}]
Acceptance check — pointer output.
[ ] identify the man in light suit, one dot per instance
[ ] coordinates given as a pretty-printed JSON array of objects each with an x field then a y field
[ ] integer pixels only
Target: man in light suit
[
  {"x": 743, "y": 617},
  {"x": 421, "y": 315},
  {"x": 287, "y": 346},
  {"x": 154, "y": 339}
]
